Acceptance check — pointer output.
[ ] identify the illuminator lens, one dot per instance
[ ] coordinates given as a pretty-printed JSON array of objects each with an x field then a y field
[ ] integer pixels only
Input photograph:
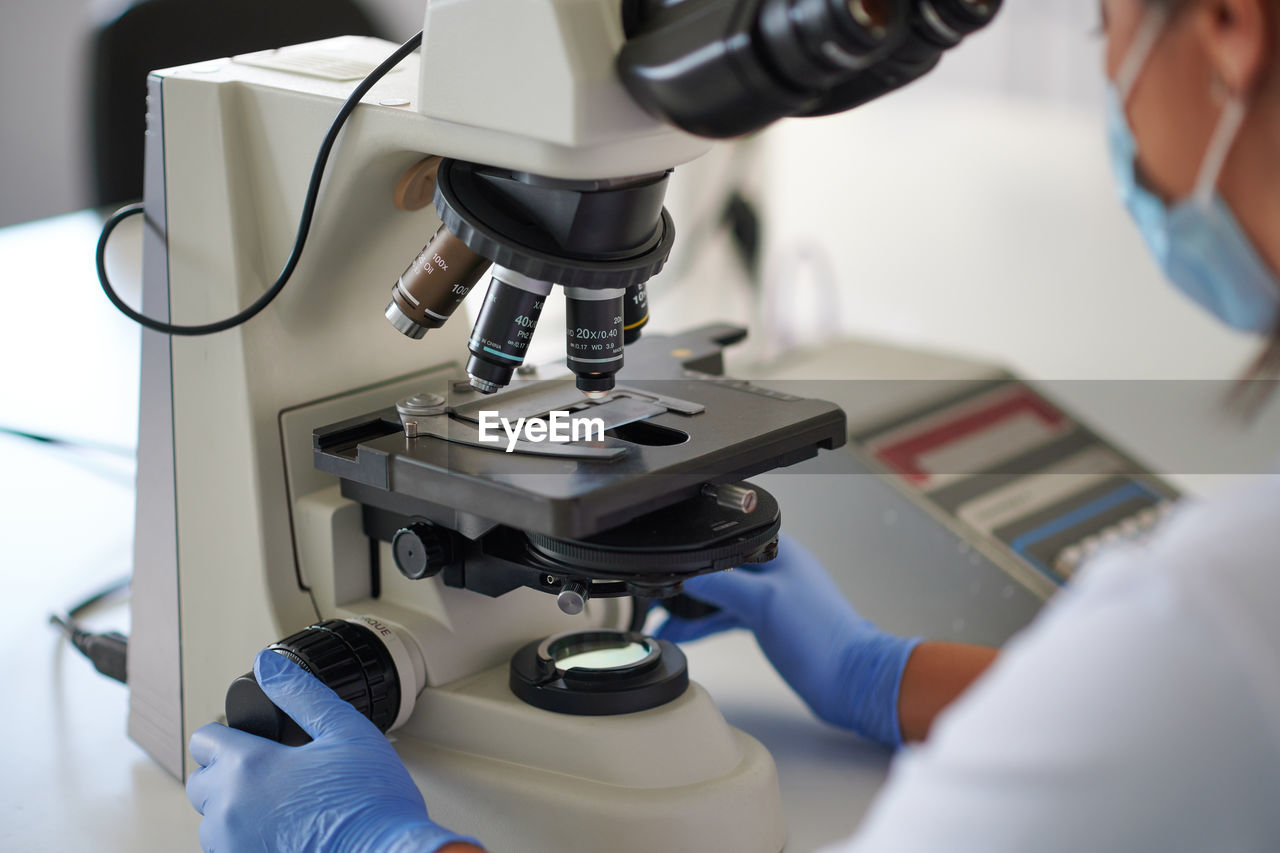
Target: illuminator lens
[{"x": 607, "y": 655}]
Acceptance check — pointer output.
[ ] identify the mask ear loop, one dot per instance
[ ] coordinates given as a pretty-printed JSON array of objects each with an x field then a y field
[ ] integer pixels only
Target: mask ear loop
[
  {"x": 1144, "y": 42},
  {"x": 1215, "y": 157}
]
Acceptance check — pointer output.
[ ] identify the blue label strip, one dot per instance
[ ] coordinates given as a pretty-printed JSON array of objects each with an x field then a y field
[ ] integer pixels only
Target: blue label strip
[
  {"x": 490, "y": 349},
  {"x": 1076, "y": 517}
]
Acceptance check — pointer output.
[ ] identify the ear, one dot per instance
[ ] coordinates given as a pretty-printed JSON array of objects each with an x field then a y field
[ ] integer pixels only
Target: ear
[{"x": 1237, "y": 39}]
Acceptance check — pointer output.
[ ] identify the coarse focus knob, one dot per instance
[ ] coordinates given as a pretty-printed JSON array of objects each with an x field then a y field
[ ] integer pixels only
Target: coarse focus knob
[
  {"x": 422, "y": 550},
  {"x": 346, "y": 656}
]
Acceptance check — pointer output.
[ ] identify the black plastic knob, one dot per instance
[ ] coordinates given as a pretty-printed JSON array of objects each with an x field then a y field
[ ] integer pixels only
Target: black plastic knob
[
  {"x": 346, "y": 656},
  {"x": 422, "y": 550}
]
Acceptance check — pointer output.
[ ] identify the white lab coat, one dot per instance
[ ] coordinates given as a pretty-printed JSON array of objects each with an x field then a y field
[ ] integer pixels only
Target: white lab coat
[{"x": 1140, "y": 712}]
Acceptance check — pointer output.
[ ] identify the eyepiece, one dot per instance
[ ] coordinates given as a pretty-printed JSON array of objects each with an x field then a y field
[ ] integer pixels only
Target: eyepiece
[
  {"x": 961, "y": 17},
  {"x": 722, "y": 69},
  {"x": 875, "y": 16},
  {"x": 933, "y": 27},
  {"x": 815, "y": 43},
  {"x": 861, "y": 26},
  {"x": 434, "y": 285},
  {"x": 502, "y": 333}
]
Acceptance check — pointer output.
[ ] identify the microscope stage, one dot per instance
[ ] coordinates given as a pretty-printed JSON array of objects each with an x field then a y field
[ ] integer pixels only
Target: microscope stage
[{"x": 664, "y": 437}]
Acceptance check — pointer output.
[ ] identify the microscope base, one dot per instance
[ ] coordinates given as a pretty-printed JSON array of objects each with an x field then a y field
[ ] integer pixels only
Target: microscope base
[{"x": 672, "y": 778}]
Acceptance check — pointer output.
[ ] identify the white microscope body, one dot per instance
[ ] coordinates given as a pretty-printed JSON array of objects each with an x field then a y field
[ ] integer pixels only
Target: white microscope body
[{"x": 240, "y": 540}]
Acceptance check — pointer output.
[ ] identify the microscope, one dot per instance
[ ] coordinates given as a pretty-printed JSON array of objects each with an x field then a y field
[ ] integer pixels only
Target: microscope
[{"x": 342, "y": 470}]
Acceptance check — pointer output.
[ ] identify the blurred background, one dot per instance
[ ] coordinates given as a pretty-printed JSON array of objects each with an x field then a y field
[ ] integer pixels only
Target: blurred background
[
  {"x": 1040, "y": 50},
  {"x": 973, "y": 211}
]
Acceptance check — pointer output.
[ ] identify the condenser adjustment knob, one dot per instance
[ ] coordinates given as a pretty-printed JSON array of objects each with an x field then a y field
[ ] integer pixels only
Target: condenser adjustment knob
[
  {"x": 422, "y": 550},
  {"x": 733, "y": 496}
]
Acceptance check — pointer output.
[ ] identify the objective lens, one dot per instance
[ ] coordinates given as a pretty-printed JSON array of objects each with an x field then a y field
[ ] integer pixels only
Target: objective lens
[
  {"x": 594, "y": 337},
  {"x": 434, "y": 285},
  {"x": 501, "y": 336},
  {"x": 635, "y": 312}
]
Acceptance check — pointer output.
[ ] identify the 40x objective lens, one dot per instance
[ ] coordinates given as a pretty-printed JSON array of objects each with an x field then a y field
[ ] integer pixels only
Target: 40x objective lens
[
  {"x": 635, "y": 312},
  {"x": 500, "y": 339},
  {"x": 594, "y": 337},
  {"x": 434, "y": 285}
]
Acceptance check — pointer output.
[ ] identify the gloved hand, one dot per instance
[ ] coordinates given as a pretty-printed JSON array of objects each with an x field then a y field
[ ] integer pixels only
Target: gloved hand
[
  {"x": 345, "y": 792},
  {"x": 844, "y": 668}
]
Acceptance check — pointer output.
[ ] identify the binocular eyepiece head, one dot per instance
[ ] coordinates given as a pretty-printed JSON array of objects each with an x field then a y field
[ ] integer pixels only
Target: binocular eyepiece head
[{"x": 723, "y": 69}]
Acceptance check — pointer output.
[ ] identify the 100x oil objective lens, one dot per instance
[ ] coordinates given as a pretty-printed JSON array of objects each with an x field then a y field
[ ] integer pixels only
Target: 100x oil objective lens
[
  {"x": 594, "y": 337},
  {"x": 500, "y": 339},
  {"x": 635, "y": 312},
  {"x": 434, "y": 285}
]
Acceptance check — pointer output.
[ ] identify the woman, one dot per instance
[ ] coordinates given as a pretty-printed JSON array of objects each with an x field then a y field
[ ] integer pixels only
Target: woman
[{"x": 1140, "y": 712}]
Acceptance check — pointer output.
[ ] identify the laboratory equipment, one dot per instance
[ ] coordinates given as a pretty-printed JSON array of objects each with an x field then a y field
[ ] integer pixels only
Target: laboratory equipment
[{"x": 309, "y": 473}]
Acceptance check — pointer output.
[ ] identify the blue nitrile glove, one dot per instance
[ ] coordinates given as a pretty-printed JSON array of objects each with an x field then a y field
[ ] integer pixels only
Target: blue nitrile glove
[
  {"x": 345, "y": 792},
  {"x": 844, "y": 668}
]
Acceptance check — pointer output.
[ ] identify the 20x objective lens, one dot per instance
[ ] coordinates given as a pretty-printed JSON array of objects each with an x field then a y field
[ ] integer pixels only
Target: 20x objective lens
[
  {"x": 594, "y": 337},
  {"x": 500, "y": 339}
]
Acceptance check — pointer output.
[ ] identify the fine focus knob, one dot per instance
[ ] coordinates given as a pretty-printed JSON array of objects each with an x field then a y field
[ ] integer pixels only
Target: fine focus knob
[
  {"x": 422, "y": 550},
  {"x": 346, "y": 656}
]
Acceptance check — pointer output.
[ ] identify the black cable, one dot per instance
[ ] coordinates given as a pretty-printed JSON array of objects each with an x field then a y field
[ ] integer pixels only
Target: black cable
[
  {"x": 107, "y": 650},
  {"x": 112, "y": 589},
  {"x": 304, "y": 224},
  {"x": 75, "y": 444}
]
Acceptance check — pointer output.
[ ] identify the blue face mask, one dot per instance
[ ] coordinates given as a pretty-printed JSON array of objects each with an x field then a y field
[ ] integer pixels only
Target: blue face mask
[{"x": 1197, "y": 242}]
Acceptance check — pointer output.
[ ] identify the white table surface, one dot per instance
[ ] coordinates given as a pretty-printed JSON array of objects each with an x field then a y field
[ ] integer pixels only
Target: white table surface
[{"x": 71, "y": 779}]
